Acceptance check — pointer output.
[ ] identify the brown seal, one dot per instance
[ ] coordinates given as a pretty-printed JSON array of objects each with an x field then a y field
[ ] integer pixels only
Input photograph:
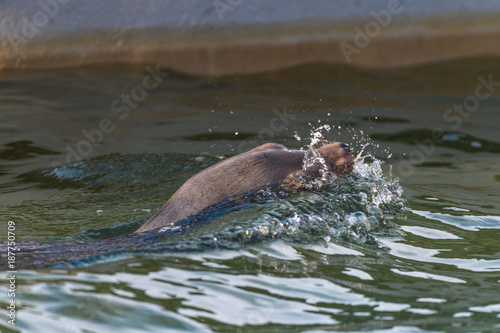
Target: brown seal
[{"x": 268, "y": 164}]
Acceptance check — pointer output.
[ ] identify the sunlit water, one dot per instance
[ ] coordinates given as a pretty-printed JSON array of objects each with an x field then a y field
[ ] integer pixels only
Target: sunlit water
[{"x": 394, "y": 247}]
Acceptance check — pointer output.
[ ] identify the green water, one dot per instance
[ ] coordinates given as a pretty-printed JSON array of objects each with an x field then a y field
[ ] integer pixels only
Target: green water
[{"x": 411, "y": 245}]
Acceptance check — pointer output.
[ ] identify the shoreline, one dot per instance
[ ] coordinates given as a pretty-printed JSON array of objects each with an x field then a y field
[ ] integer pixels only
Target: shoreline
[{"x": 382, "y": 38}]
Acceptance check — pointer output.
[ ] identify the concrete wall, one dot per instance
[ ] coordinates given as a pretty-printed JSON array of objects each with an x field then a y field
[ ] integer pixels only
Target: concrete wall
[{"x": 218, "y": 37}]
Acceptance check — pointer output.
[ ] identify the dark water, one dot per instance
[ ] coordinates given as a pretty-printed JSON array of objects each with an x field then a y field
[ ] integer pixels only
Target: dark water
[{"x": 408, "y": 243}]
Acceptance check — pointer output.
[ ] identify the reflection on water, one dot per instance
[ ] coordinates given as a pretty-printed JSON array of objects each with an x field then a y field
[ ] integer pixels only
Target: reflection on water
[{"x": 325, "y": 260}]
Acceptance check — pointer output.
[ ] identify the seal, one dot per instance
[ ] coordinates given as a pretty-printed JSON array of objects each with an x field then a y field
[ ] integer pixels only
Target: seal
[{"x": 266, "y": 165}]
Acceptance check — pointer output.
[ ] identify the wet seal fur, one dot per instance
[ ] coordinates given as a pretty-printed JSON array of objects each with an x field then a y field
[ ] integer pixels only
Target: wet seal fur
[{"x": 268, "y": 164}]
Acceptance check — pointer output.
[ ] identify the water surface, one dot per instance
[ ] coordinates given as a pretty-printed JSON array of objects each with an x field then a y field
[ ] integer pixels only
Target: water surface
[{"x": 408, "y": 243}]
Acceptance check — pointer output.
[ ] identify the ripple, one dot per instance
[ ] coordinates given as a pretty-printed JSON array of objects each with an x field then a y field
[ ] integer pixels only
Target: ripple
[
  {"x": 466, "y": 222},
  {"x": 23, "y": 149},
  {"x": 455, "y": 140},
  {"x": 429, "y": 233},
  {"x": 431, "y": 255},
  {"x": 357, "y": 273},
  {"x": 425, "y": 275},
  {"x": 486, "y": 309}
]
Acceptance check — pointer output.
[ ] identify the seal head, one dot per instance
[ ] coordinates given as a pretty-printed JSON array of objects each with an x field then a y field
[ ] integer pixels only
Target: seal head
[{"x": 337, "y": 157}]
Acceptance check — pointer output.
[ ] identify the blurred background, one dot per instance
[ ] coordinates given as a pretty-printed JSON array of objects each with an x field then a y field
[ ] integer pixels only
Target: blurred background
[
  {"x": 107, "y": 107},
  {"x": 223, "y": 37}
]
